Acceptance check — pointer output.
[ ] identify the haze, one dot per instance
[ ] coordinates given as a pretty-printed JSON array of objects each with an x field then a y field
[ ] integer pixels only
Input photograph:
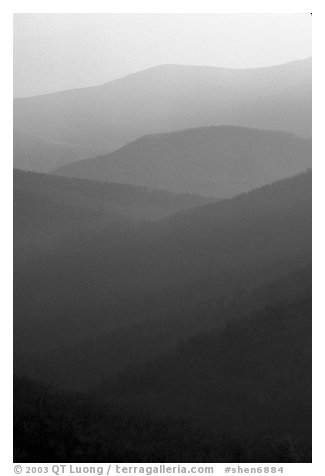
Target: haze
[{"x": 54, "y": 52}]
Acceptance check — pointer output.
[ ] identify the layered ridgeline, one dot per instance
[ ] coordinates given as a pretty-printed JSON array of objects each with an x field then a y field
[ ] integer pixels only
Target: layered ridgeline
[
  {"x": 44, "y": 155},
  {"x": 239, "y": 394},
  {"x": 172, "y": 97},
  {"x": 251, "y": 377},
  {"x": 52, "y": 203},
  {"x": 109, "y": 298},
  {"x": 188, "y": 318},
  {"x": 194, "y": 332},
  {"x": 217, "y": 161}
]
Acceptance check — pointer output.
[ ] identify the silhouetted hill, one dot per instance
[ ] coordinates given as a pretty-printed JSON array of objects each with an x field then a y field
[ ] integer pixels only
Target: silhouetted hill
[
  {"x": 251, "y": 379},
  {"x": 56, "y": 426},
  {"x": 218, "y": 161},
  {"x": 188, "y": 265},
  {"x": 195, "y": 331},
  {"x": 153, "y": 329},
  {"x": 172, "y": 97},
  {"x": 41, "y": 155},
  {"x": 55, "y": 203},
  {"x": 243, "y": 391}
]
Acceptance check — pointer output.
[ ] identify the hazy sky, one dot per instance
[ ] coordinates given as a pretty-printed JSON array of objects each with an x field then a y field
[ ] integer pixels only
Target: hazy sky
[{"x": 53, "y": 52}]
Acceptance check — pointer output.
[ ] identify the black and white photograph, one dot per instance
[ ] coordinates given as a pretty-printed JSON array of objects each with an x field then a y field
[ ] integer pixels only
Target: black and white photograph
[{"x": 162, "y": 238}]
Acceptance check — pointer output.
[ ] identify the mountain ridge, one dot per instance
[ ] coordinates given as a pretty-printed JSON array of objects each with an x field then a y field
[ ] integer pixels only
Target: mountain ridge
[
  {"x": 171, "y": 98},
  {"x": 219, "y": 161},
  {"x": 165, "y": 66},
  {"x": 106, "y": 200}
]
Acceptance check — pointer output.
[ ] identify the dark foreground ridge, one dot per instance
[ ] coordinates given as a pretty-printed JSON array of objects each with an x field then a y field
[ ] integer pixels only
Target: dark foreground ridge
[{"x": 189, "y": 337}]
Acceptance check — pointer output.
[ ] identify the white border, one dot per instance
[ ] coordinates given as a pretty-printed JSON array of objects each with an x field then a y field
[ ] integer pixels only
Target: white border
[
  {"x": 166, "y": 6},
  {"x": 162, "y": 6}
]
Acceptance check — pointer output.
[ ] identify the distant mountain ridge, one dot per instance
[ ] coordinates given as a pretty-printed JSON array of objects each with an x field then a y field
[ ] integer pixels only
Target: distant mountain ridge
[
  {"x": 108, "y": 275},
  {"x": 221, "y": 161},
  {"x": 44, "y": 155},
  {"x": 172, "y": 97},
  {"x": 54, "y": 204},
  {"x": 163, "y": 268}
]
